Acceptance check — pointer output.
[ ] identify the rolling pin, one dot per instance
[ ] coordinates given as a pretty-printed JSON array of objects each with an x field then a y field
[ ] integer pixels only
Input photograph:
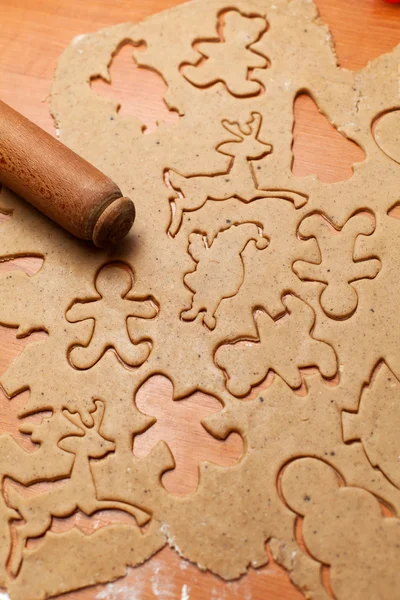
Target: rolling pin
[{"x": 59, "y": 183}]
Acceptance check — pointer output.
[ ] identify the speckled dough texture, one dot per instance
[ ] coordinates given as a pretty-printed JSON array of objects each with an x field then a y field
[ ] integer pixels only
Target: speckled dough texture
[{"x": 236, "y": 273}]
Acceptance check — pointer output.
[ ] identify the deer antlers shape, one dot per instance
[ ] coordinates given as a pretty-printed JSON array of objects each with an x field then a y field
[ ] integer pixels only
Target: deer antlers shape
[{"x": 241, "y": 130}]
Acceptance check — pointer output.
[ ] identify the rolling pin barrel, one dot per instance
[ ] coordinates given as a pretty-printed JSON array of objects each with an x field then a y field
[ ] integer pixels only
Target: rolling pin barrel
[{"x": 59, "y": 183}]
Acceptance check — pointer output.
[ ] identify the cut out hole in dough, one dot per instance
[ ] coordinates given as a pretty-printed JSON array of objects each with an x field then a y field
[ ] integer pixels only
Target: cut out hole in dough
[
  {"x": 15, "y": 345},
  {"x": 29, "y": 264},
  {"x": 132, "y": 85},
  {"x": 88, "y": 524},
  {"x": 373, "y": 31},
  {"x": 179, "y": 425},
  {"x": 394, "y": 212},
  {"x": 318, "y": 148}
]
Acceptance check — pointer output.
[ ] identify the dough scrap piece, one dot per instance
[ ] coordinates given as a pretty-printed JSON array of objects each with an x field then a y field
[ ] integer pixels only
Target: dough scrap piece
[
  {"x": 337, "y": 268},
  {"x": 338, "y": 518},
  {"x": 222, "y": 526},
  {"x": 284, "y": 347}
]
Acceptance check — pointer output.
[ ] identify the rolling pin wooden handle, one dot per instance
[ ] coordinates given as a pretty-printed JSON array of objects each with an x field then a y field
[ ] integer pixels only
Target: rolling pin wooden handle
[{"x": 61, "y": 184}]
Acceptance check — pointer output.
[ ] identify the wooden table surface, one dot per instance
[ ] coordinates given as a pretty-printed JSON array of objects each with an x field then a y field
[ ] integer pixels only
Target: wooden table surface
[{"x": 33, "y": 33}]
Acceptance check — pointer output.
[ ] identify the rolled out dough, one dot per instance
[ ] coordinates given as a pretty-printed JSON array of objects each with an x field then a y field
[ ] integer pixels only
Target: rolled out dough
[{"x": 236, "y": 272}]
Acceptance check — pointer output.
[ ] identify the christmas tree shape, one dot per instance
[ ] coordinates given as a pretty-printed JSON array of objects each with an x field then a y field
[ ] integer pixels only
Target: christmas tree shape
[{"x": 318, "y": 147}]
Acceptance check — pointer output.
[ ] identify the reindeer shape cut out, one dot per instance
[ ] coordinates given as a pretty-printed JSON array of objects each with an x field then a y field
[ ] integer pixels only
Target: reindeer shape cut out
[
  {"x": 78, "y": 493},
  {"x": 239, "y": 181}
]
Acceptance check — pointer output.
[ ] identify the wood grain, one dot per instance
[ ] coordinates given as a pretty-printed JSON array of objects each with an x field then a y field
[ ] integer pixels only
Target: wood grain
[{"x": 32, "y": 36}]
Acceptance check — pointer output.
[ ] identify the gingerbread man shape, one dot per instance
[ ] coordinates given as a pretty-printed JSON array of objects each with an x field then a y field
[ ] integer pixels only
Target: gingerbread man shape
[
  {"x": 337, "y": 269},
  {"x": 344, "y": 527},
  {"x": 239, "y": 33},
  {"x": 110, "y": 311}
]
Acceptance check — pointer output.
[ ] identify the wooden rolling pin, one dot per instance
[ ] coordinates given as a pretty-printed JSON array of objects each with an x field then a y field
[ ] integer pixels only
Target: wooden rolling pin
[{"x": 59, "y": 183}]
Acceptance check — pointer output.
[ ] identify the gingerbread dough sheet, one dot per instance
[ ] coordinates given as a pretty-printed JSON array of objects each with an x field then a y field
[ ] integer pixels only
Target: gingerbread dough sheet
[{"x": 237, "y": 273}]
